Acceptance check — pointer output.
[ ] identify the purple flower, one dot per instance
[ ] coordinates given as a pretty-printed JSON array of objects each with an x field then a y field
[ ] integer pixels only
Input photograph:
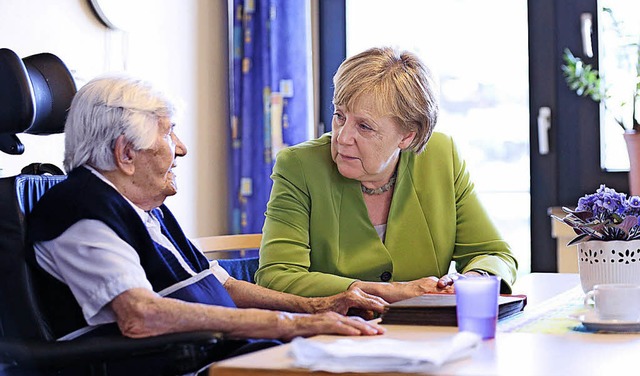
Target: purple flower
[
  {"x": 610, "y": 204},
  {"x": 601, "y": 215},
  {"x": 633, "y": 206}
]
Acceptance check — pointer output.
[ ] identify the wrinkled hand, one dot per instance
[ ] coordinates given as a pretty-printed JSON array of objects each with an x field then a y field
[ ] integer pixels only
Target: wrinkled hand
[
  {"x": 353, "y": 301},
  {"x": 305, "y": 325},
  {"x": 427, "y": 285}
]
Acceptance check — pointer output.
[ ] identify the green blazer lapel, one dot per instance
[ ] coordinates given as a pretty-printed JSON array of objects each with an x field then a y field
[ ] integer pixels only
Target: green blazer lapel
[
  {"x": 408, "y": 230},
  {"x": 359, "y": 242}
]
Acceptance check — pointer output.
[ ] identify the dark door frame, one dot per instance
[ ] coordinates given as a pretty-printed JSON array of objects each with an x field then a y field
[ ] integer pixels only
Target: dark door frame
[
  {"x": 332, "y": 51},
  {"x": 572, "y": 167}
]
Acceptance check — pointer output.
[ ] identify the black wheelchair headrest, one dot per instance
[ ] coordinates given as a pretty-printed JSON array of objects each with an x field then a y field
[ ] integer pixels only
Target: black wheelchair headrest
[{"x": 35, "y": 95}]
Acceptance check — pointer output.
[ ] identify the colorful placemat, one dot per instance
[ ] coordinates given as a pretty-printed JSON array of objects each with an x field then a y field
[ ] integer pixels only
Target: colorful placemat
[{"x": 553, "y": 316}]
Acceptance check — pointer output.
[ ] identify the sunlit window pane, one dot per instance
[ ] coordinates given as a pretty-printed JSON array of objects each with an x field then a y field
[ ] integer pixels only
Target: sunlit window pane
[
  {"x": 619, "y": 35},
  {"x": 480, "y": 57}
]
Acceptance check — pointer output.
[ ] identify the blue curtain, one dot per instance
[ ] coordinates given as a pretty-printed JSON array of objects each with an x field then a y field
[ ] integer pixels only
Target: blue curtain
[{"x": 270, "y": 99}]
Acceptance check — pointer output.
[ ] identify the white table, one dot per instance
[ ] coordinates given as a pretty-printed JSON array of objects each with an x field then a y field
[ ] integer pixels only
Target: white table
[{"x": 574, "y": 353}]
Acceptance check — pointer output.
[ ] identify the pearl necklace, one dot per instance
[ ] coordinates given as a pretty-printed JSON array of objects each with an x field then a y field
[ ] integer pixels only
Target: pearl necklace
[{"x": 380, "y": 190}]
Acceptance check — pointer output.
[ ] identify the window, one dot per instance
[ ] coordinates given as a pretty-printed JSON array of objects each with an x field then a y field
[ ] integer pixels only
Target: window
[
  {"x": 482, "y": 66},
  {"x": 619, "y": 59}
]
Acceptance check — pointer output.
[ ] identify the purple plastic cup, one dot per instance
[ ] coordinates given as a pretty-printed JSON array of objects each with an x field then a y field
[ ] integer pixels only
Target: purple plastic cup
[{"x": 477, "y": 305}]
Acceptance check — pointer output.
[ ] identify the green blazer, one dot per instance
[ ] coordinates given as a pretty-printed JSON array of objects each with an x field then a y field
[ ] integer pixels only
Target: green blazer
[{"x": 318, "y": 239}]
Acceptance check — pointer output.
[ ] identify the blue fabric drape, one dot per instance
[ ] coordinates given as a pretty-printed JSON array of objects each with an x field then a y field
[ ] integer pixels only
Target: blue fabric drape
[{"x": 270, "y": 109}]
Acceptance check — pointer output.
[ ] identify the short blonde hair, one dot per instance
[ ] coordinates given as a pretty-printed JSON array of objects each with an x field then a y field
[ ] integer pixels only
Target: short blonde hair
[{"x": 399, "y": 81}]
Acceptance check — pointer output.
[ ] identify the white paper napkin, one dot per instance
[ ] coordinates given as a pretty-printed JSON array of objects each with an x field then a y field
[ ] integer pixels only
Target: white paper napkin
[{"x": 381, "y": 354}]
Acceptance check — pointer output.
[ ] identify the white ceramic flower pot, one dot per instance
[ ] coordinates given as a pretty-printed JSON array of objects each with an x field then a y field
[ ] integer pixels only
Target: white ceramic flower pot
[{"x": 608, "y": 262}]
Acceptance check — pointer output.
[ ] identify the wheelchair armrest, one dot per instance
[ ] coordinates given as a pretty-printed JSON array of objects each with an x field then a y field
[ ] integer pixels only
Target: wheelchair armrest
[{"x": 184, "y": 352}]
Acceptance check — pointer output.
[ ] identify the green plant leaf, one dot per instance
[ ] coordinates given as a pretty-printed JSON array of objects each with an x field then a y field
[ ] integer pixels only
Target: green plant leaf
[{"x": 581, "y": 77}]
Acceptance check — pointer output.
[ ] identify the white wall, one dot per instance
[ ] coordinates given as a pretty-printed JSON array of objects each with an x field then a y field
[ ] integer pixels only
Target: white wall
[{"x": 180, "y": 45}]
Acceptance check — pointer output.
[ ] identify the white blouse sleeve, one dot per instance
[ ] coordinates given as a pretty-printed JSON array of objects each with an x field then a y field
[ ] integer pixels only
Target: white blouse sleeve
[
  {"x": 96, "y": 268},
  {"x": 221, "y": 273}
]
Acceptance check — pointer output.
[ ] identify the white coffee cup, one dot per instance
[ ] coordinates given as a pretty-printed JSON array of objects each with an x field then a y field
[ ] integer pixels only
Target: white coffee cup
[{"x": 615, "y": 301}]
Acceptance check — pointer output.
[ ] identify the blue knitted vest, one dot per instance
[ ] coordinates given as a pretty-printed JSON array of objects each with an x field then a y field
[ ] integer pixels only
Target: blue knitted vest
[{"x": 84, "y": 196}]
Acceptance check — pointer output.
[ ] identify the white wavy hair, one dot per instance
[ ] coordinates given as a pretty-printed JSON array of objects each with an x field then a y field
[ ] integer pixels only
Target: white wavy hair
[{"x": 106, "y": 108}]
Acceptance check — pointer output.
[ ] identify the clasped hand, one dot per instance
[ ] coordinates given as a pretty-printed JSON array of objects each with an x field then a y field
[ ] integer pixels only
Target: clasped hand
[{"x": 352, "y": 302}]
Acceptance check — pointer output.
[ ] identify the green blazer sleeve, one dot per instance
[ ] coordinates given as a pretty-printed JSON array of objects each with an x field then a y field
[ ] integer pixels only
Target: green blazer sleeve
[{"x": 318, "y": 239}]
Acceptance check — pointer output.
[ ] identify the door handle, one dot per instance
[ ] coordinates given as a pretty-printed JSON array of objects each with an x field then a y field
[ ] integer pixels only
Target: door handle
[
  {"x": 544, "y": 124},
  {"x": 586, "y": 28}
]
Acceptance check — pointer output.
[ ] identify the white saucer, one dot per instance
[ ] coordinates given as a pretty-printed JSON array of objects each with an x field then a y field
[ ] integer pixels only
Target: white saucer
[{"x": 591, "y": 321}]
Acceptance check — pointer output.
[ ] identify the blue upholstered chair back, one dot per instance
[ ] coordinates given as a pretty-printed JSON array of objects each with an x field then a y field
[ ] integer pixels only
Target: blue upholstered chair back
[
  {"x": 241, "y": 268},
  {"x": 20, "y": 315}
]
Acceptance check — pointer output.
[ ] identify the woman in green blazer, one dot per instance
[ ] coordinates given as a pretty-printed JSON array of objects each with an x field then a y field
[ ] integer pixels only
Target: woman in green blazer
[{"x": 381, "y": 203}]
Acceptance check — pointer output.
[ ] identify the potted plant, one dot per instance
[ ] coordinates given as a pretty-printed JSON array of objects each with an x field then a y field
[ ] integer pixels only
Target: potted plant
[
  {"x": 607, "y": 237},
  {"x": 588, "y": 82}
]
